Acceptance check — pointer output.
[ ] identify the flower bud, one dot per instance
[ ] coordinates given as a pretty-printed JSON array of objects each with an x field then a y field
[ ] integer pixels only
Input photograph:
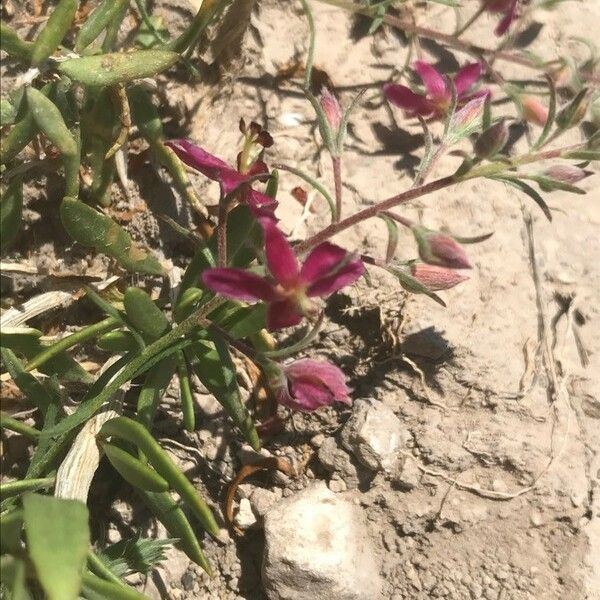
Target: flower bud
[
  {"x": 436, "y": 278},
  {"x": 566, "y": 173},
  {"x": 492, "y": 140},
  {"x": 331, "y": 108},
  {"x": 307, "y": 384},
  {"x": 574, "y": 112},
  {"x": 533, "y": 110},
  {"x": 437, "y": 248}
]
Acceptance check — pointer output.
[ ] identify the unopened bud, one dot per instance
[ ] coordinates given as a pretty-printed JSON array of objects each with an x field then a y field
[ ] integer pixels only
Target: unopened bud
[
  {"x": 436, "y": 278},
  {"x": 466, "y": 120},
  {"x": 533, "y": 110},
  {"x": 574, "y": 112},
  {"x": 566, "y": 173},
  {"x": 440, "y": 249},
  {"x": 492, "y": 140},
  {"x": 331, "y": 108}
]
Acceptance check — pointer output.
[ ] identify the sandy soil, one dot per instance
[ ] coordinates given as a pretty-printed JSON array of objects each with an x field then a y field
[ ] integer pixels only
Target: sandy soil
[{"x": 497, "y": 495}]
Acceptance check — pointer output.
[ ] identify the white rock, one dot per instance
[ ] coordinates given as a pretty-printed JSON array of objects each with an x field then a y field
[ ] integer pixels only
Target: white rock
[
  {"x": 374, "y": 434},
  {"x": 245, "y": 518},
  {"x": 317, "y": 546}
]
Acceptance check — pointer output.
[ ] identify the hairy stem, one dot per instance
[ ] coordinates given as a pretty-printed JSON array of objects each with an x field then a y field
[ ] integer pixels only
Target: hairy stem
[
  {"x": 487, "y": 170},
  {"x": 336, "y": 162}
]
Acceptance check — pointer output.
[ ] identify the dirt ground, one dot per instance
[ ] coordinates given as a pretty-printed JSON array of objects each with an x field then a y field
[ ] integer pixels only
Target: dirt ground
[{"x": 496, "y": 494}]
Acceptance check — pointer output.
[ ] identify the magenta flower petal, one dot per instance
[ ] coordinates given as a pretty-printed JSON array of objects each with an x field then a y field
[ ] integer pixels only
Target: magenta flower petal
[
  {"x": 466, "y": 77},
  {"x": 321, "y": 261},
  {"x": 405, "y": 98},
  {"x": 343, "y": 274},
  {"x": 210, "y": 166},
  {"x": 507, "y": 20},
  {"x": 434, "y": 82},
  {"x": 312, "y": 384},
  {"x": 256, "y": 199},
  {"x": 282, "y": 313},
  {"x": 281, "y": 260},
  {"x": 238, "y": 284}
]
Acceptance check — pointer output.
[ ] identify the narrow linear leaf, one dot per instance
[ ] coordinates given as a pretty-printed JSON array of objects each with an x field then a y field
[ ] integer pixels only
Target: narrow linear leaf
[
  {"x": 531, "y": 192},
  {"x": 135, "y": 433},
  {"x": 134, "y": 471},
  {"x": 53, "y": 32}
]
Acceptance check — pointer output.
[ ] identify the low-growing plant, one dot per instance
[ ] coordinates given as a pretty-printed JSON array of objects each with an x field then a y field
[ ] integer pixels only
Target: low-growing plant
[{"x": 80, "y": 94}]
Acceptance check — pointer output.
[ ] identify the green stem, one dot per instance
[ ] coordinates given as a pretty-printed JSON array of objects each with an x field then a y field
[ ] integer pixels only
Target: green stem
[
  {"x": 18, "y": 427},
  {"x": 313, "y": 182},
  {"x": 70, "y": 340},
  {"x": 204, "y": 16},
  {"x": 470, "y": 21},
  {"x": 109, "y": 589},
  {"x": 310, "y": 55},
  {"x": 16, "y": 488},
  {"x": 134, "y": 367},
  {"x": 336, "y": 162}
]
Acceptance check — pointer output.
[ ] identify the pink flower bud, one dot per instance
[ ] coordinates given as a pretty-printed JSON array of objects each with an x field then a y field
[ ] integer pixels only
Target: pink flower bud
[
  {"x": 308, "y": 384},
  {"x": 331, "y": 108},
  {"x": 566, "y": 173},
  {"x": 436, "y": 278},
  {"x": 440, "y": 249},
  {"x": 533, "y": 110}
]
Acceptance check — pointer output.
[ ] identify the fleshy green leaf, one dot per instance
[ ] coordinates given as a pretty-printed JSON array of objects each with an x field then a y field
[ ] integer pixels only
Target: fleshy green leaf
[
  {"x": 58, "y": 539},
  {"x": 92, "y": 228},
  {"x": 118, "y": 67},
  {"x": 11, "y": 210}
]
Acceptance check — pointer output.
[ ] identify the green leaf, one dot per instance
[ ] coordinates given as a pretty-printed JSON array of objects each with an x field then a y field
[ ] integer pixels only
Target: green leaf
[
  {"x": 117, "y": 341},
  {"x": 8, "y": 112},
  {"x": 527, "y": 189},
  {"x": 58, "y": 539},
  {"x": 549, "y": 184},
  {"x": 551, "y": 114},
  {"x": 412, "y": 285},
  {"x": 135, "y": 555},
  {"x": 36, "y": 392},
  {"x": 50, "y": 122},
  {"x": 11, "y": 526},
  {"x": 143, "y": 313},
  {"x": 13, "y": 44},
  {"x": 11, "y": 210},
  {"x": 213, "y": 365},
  {"x": 96, "y": 588},
  {"x": 98, "y": 20},
  {"x": 176, "y": 523},
  {"x": 153, "y": 388},
  {"x": 13, "y": 573},
  {"x": 53, "y": 32},
  {"x": 19, "y": 487},
  {"x": 185, "y": 393},
  {"x": 134, "y": 471},
  {"x": 583, "y": 155},
  {"x": 94, "y": 229},
  {"x": 135, "y": 433},
  {"x": 118, "y": 67}
]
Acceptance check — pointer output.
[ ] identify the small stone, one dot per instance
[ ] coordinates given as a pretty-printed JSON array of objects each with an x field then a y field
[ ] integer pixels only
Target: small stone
[
  {"x": 245, "y": 518},
  {"x": 499, "y": 486},
  {"x": 374, "y": 434},
  {"x": 317, "y": 440},
  {"x": 317, "y": 546},
  {"x": 409, "y": 476},
  {"x": 337, "y": 485},
  {"x": 261, "y": 501},
  {"x": 536, "y": 518},
  {"x": 187, "y": 580}
]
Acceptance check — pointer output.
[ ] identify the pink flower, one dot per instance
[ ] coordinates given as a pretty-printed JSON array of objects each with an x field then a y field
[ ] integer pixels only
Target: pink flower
[
  {"x": 533, "y": 110},
  {"x": 228, "y": 177},
  {"x": 289, "y": 288},
  {"x": 436, "y": 278},
  {"x": 308, "y": 384},
  {"x": 438, "y": 95},
  {"x": 508, "y": 9},
  {"x": 437, "y": 248}
]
